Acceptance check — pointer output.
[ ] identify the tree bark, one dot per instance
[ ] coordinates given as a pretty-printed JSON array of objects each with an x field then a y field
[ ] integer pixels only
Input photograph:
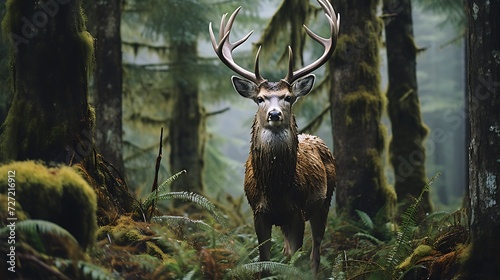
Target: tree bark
[
  {"x": 187, "y": 125},
  {"x": 50, "y": 119},
  {"x": 483, "y": 56},
  {"x": 407, "y": 153},
  {"x": 51, "y": 60},
  {"x": 357, "y": 105},
  {"x": 104, "y": 25}
]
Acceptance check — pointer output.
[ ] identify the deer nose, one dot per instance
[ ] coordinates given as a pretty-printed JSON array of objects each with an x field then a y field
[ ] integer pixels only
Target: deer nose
[{"x": 274, "y": 116}]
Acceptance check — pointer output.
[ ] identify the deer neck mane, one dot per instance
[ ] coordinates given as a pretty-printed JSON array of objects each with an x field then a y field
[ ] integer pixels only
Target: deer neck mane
[{"x": 274, "y": 155}]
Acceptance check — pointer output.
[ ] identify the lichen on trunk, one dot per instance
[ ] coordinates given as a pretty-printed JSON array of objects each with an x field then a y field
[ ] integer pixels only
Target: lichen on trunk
[
  {"x": 357, "y": 106},
  {"x": 407, "y": 153}
]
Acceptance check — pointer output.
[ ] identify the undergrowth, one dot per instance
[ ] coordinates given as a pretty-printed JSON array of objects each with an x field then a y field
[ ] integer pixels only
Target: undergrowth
[{"x": 208, "y": 245}]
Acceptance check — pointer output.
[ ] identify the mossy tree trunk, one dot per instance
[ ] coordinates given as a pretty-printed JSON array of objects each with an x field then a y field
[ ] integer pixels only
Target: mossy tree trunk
[
  {"x": 187, "y": 124},
  {"x": 357, "y": 105},
  {"x": 407, "y": 153},
  {"x": 104, "y": 25},
  {"x": 483, "y": 77},
  {"x": 50, "y": 119},
  {"x": 51, "y": 57}
]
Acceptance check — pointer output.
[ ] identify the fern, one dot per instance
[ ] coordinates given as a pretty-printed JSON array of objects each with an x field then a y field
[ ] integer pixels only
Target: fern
[
  {"x": 162, "y": 194},
  {"x": 295, "y": 257},
  {"x": 176, "y": 222},
  {"x": 94, "y": 272},
  {"x": 189, "y": 275},
  {"x": 161, "y": 188},
  {"x": 339, "y": 267},
  {"x": 365, "y": 219},
  {"x": 368, "y": 237},
  {"x": 284, "y": 270},
  {"x": 87, "y": 270},
  {"x": 402, "y": 246},
  {"x": 37, "y": 227},
  {"x": 198, "y": 199}
]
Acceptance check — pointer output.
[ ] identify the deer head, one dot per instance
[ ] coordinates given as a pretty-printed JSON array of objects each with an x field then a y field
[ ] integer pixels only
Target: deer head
[{"x": 274, "y": 98}]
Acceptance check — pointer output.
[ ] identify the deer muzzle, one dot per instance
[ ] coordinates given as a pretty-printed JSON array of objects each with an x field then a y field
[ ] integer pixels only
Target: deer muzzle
[{"x": 274, "y": 117}]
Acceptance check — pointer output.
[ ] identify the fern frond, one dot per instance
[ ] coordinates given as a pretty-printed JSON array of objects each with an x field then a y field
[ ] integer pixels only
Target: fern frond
[
  {"x": 284, "y": 270},
  {"x": 41, "y": 227},
  {"x": 368, "y": 237},
  {"x": 161, "y": 188},
  {"x": 94, "y": 272},
  {"x": 299, "y": 253},
  {"x": 88, "y": 270},
  {"x": 338, "y": 271},
  {"x": 178, "y": 222},
  {"x": 402, "y": 246},
  {"x": 189, "y": 275},
  {"x": 146, "y": 262},
  {"x": 365, "y": 219},
  {"x": 198, "y": 199}
]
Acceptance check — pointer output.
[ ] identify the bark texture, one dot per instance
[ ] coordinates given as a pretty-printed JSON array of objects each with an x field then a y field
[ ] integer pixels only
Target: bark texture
[
  {"x": 483, "y": 45},
  {"x": 407, "y": 153},
  {"x": 104, "y": 25},
  {"x": 50, "y": 119},
  {"x": 187, "y": 127},
  {"x": 51, "y": 59},
  {"x": 357, "y": 105}
]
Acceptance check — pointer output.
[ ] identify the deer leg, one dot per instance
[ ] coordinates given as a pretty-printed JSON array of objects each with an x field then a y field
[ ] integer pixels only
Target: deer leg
[
  {"x": 318, "y": 224},
  {"x": 263, "y": 230},
  {"x": 294, "y": 234}
]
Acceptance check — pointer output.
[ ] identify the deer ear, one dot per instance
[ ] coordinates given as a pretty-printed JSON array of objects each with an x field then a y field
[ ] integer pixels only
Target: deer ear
[
  {"x": 303, "y": 86},
  {"x": 244, "y": 87}
]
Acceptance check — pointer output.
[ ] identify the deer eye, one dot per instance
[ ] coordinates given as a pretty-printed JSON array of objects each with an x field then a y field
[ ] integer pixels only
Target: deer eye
[
  {"x": 260, "y": 100},
  {"x": 288, "y": 98}
]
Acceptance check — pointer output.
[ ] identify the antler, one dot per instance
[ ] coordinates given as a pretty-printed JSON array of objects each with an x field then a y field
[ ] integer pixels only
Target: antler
[
  {"x": 328, "y": 44},
  {"x": 224, "y": 49}
]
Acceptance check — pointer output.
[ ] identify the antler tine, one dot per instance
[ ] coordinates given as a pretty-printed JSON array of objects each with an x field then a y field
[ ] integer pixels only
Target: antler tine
[
  {"x": 329, "y": 44},
  {"x": 224, "y": 48}
]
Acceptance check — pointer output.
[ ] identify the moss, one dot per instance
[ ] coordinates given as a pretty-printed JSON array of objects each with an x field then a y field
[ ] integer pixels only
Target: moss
[
  {"x": 20, "y": 215},
  {"x": 49, "y": 111},
  {"x": 125, "y": 232},
  {"x": 153, "y": 250},
  {"x": 363, "y": 104},
  {"x": 56, "y": 194},
  {"x": 419, "y": 253}
]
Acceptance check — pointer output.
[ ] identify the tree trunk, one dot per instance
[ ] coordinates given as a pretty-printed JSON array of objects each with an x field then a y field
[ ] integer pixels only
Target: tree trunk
[
  {"x": 187, "y": 124},
  {"x": 104, "y": 25},
  {"x": 357, "y": 105},
  {"x": 51, "y": 57},
  {"x": 483, "y": 45},
  {"x": 407, "y": 153},
  {"x": 50, "y": 119}
]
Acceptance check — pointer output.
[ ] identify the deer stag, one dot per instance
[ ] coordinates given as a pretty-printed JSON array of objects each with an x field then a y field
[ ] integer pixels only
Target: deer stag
[{"x": 289, "y": 177}]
